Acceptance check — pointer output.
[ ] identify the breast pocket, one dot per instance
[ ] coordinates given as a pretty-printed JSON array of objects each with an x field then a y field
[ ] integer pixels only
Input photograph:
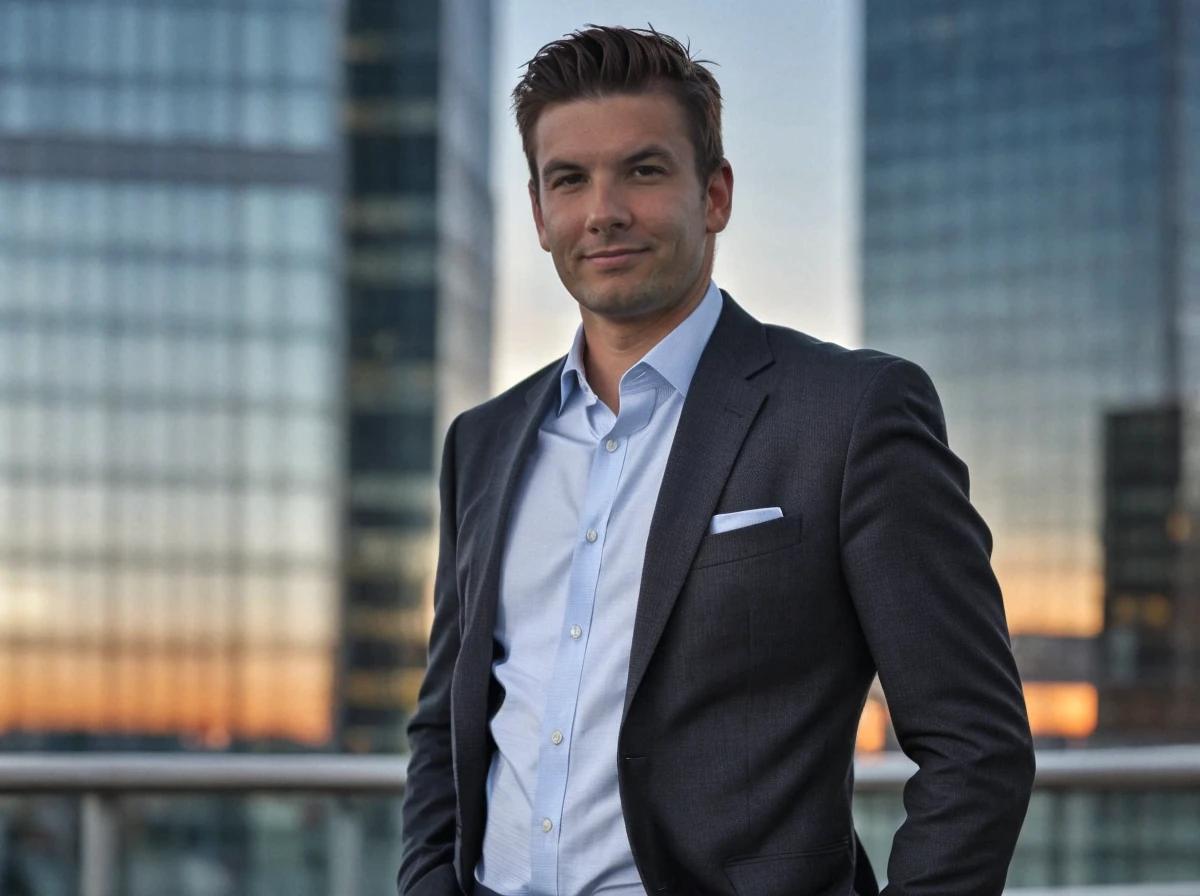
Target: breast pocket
[{"x": 748, "y": 541}]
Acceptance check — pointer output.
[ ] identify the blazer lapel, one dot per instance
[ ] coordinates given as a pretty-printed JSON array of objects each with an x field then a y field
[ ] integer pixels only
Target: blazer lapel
[
  {"x": 720, "y": 406},
  {"x": 516, "y": 440}
]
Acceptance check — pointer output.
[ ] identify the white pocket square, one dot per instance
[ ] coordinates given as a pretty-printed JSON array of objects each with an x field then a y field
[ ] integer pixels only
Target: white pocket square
[{"x": 726, "y": 522}]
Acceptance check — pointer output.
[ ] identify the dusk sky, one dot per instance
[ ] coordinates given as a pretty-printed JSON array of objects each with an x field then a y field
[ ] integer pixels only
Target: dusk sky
[{"x": 789, "y": 74}]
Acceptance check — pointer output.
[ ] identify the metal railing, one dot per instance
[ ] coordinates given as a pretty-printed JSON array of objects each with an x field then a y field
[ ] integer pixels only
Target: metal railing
[{"x": 100, "y": 779}]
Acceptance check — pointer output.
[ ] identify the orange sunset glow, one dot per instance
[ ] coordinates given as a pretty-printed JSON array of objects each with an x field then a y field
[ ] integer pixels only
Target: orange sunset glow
[{"x": 280, "y": 692}]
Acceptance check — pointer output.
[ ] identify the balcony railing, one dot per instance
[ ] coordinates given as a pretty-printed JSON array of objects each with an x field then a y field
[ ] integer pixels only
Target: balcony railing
[{"x": 1088, "y": 805}]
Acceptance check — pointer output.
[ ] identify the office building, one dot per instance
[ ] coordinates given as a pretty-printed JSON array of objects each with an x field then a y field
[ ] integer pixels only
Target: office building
[
  {"x": 242, "y": 287},
  {"x": 1145, "y": 692},
  {"x": 245, "y": 281},
  {"x": 1031, "y": 172},
  {"x": 171, "y": 348},
  {"x": 418, "y": 292}
]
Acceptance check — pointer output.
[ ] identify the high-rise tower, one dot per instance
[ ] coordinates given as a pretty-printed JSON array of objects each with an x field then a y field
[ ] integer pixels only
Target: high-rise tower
[{"x": 1030, "y": 235}]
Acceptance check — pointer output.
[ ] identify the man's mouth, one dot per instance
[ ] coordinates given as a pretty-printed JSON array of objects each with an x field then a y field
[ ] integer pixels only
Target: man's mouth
[{"x": 613, "y": 258}]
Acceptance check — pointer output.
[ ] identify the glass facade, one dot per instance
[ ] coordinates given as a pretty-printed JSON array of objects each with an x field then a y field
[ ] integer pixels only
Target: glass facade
[
  {"x": 1027, "y": 238},
  {"x": 170, "y": 371},
  {"x": 418, "y": 291},
  {"x": 245, "y": 282}
]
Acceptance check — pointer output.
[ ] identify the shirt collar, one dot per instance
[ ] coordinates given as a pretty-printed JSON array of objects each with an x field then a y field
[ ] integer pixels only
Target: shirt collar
[{"x": 674, "y": 357}]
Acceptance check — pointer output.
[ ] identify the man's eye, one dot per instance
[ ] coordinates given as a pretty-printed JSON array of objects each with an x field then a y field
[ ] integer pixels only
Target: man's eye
[
  {"x": 644, "y": 171},
  {"x": 566, "y": 180}
]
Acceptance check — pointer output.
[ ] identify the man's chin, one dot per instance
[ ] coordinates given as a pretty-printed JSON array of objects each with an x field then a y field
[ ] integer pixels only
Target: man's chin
[{"x": 621, "y": 304}]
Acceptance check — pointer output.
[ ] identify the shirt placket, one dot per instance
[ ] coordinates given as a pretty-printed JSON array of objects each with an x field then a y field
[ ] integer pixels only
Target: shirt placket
[{"x": 562, "y": 698}]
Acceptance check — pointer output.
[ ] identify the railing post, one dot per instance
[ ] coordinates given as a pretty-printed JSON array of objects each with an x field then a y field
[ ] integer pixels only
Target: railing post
[
  {"x": 97, "y": 844},
  {"x": 345, "y": 848}
]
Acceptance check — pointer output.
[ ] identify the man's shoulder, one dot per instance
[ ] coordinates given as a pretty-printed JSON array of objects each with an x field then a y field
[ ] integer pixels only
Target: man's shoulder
[{"x": 801, "y": 354}]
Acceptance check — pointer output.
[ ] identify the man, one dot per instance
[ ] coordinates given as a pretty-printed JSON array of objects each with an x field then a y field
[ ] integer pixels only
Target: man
[{"x": 672, "y": 562}]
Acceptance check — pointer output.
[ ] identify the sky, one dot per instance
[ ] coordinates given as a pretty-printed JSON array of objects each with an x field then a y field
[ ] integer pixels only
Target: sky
[{"x": 789, "y": 76}]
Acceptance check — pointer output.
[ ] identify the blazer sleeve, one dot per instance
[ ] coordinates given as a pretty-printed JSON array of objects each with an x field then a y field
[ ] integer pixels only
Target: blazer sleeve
[
  {"x": 917, "y": 559},
  {"x": 427, "y": 859}
]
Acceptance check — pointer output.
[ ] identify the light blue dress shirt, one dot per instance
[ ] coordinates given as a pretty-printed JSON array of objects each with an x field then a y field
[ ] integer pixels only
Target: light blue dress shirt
[{"x": 569, "y": 585}]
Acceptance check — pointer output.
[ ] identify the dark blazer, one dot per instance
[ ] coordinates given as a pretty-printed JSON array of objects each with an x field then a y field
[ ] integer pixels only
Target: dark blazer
[{"x": 753, "y": 649}]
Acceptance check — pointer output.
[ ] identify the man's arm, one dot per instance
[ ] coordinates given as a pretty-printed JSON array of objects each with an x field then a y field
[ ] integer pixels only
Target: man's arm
[
  {"x": 916, "y": 556},
  {"x": 427, "y": 863}
]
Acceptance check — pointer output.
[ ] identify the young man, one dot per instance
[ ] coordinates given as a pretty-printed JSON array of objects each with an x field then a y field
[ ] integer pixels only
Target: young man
[{"x": 673, "y": 561}]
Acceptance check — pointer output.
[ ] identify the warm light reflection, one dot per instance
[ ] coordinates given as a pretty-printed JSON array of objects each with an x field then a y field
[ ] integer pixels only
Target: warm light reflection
[
  {"x": 1061, "y": 708},
  {"x": 25, "y": 607},
  {"x": 1056, "y": 709},
  {"x": 279, "y": 692},
  {"x": 872, "y": 727},
  {"x": 1057, "y": 602}
]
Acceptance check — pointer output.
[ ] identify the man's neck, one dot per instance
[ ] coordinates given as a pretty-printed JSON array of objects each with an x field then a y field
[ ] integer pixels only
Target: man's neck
[{"x": 611, "y": 346}]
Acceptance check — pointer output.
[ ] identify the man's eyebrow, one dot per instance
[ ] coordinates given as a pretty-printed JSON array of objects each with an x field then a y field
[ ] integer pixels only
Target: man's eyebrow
[
  {"x": 559, "y": 165},
  {"x": 650, "y": 152}
]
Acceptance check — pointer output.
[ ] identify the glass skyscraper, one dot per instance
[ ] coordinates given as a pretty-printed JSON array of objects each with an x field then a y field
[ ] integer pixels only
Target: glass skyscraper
[
  {"x": 1031, "y": 180},
  {"x": 171, "y": 348},
  {"x": 245, "y": 281},
  {"x": 245, "y": 278},
  {"x": 418, "y": 219}
]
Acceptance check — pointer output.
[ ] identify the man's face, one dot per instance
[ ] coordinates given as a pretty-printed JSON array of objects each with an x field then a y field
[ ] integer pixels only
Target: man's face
[{"x": 619, "y": 206}]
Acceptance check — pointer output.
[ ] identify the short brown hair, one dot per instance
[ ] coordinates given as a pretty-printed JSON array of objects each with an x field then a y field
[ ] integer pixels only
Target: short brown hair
[{"x": 604, "y": 60}]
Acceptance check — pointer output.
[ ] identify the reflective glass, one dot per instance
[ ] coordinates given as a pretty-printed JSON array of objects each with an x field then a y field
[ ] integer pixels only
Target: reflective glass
[
  {"x": 309, "y": 372},
  {"x": 258, "y": 455},
  {"x": 260, "y": 218},
  {"x": 310, "y": 297},
  {"x": 260, "y": 125},
  {"x": 311, "y": 604},
  {"x": 306, "y": 50},
  {"x": 127, "y": 38},
  {"x": 16, "y": 106},
  {"x": 262, "y": 518},
  {"x": 260, "y": 285},
  {"x": 306, "y": 219},
  {"x": 308, "y": 120},
  {"x": 13, "y": 42},
  {"x": 311, "y": 455},
  {"x": 158, "y": 48},
  {"x": 309, "y": 525},
  {"x": 261, "y": 369},
  {"x": 259, "y": 39},
  {"x": 8, "y": 422}
]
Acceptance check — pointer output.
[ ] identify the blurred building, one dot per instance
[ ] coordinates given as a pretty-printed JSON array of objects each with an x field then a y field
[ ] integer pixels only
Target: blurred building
[
  {"x": 1031, "y": 186},
  {"x": 1145, "y": 687},
  {"x": 245, "y": 280},
  {"x": 418, "y": 219},
  {"x": 171, "y": 345},
  {"x": 245, "y": 267}
]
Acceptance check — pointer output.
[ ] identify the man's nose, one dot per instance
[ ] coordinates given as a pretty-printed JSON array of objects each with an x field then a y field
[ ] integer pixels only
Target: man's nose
[{"x": 608, "y": 210}]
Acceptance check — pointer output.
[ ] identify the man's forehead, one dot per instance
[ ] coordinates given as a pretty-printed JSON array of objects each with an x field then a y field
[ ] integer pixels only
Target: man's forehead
[{"x": 611, "y": 126}]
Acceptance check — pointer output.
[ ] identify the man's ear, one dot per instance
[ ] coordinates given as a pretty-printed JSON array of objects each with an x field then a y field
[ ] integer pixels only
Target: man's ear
[
  {"x": 718, "y": 198},
  {"x": 536, "y": 204}
]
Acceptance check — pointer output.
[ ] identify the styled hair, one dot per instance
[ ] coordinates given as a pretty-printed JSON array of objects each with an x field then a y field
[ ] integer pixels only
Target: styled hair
[{"x": 601, "y": 61}]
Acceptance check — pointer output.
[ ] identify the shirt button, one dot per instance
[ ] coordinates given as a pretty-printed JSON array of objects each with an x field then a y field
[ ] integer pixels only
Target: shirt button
[
  {"x": 610, "y": 445},
  {"x": 576, "y": 632},
  {"x": 547, "y": 825},
  {"x": 591, "y": 536},
  {"x": 556, "y": 738}
]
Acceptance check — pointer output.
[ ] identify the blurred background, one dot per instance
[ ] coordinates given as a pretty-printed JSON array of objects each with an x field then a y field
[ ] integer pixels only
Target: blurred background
[{"x": 255, "y": 255}]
